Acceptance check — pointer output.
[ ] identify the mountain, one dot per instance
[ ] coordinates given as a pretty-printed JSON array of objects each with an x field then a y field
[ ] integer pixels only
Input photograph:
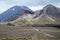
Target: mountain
[
  {"x": 48, "y": 15},
  {"x": 37, "y": 13},
  {"x": 14, "y": 12},
  {"x": 52, "y": 11}
]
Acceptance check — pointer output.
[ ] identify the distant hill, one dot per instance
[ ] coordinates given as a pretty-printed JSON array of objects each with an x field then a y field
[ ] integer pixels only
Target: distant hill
[{"x": 14, "y": 12}]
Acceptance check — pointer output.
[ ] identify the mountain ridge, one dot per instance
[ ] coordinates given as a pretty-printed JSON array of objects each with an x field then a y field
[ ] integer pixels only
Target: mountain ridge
[{"x": 14, "y": 12}]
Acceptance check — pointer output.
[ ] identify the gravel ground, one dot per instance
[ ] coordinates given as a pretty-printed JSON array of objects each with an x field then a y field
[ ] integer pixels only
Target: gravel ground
[{"x": 29, "y": 33}]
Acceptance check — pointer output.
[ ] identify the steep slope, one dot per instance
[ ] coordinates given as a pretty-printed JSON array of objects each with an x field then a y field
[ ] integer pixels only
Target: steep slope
[
  {"x": 50, "y": 15},
  {"x": 14, "y": 12},
  {"x": 53, "y": 12}
]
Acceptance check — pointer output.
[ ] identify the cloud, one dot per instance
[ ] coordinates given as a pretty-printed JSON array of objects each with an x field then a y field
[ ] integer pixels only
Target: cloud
[
  {"x": 33, "y": 4},
  {"x": 34, "y": 8}
]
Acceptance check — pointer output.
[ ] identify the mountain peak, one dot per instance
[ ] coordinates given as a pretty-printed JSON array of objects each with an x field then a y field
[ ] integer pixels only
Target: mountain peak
[
  {"x": 50, "y": 6},
  {"x": 14, "y": 12},
  {"x": 15, "y": 6},
  {"x": 51, "y": 9}
]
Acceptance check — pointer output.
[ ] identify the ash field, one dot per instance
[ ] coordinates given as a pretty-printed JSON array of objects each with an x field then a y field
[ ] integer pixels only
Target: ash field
[{"x": 29, "y": 33}]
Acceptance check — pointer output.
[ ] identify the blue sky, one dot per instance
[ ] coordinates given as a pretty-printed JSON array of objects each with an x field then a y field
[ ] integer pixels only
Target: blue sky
[{"x": 32, "y": 4}]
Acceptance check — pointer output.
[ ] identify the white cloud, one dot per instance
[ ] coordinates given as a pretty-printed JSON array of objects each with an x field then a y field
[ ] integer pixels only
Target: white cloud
[
  {"x": 34, "y": 8},
  {"x": 33, "y": 4}
]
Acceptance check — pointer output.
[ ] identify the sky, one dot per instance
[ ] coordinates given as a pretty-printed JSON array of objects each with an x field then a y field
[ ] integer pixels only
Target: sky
[{"x": 32, "y": 4}]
